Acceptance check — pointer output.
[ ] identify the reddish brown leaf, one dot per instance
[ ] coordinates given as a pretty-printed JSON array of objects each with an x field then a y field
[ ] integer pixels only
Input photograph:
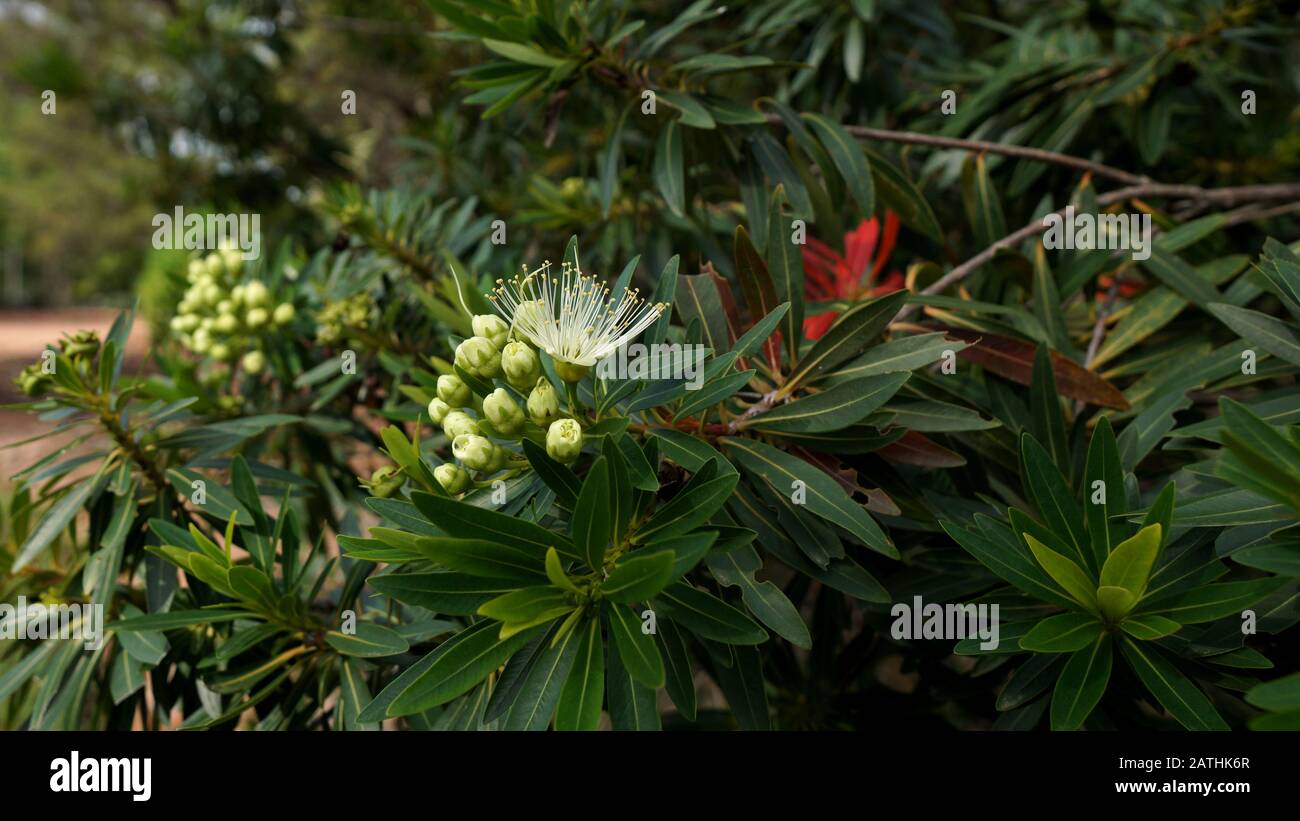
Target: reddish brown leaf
[
  {"x": 1014, "y": 360},
  {"x": 916, "y": 449}
]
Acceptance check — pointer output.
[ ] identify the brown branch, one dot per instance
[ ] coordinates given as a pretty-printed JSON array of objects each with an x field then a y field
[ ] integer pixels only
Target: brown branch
[{"x": 1217, "y": 196}]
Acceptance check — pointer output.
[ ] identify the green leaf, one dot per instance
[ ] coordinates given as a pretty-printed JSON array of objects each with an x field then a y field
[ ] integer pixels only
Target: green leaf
[
  {"x": 638, "y": 578},
  {"x": 1279, "y": 694},
  {"x": 521, "y": 53},
  {"x": 1175, "y": 692},
  {"x": 60, "y": 514},
  {"x": 897, "y": 193},
  {"x": 843, "y": 405},
  {"x": 176, "y": 619},
  {"x": 709, "y": 617},
  {"x": 785, "y": 263},
  {"x": 694, "y": 114},
  {"x": 369, "y": 641},
  {"x": 1046, "y": 422},
  {"x": 1129, "y": 565},
  {"x": 1115, "y": 602},
  {"x": 743, "y": 684},
  {"x": 1082, "y": 684},
  {"x": 852, "y": 332},
  {"x": 481, "y": 557},
  {"x": 460, "y": 519},
  {"x": 849, "y": 159},
  {"x": 825, "y": 497},
  {"x": 1269, "y": 333},
  {"x": 584, "y": 688},
  {"x": 1161, "y": 512},
  {"x": 528, "y": 607},
  {"x": 1030, "y": 680},
  {"x": 980, "y": 199},
  {"x": 1052, "y": 497},
  {"x": 632, "y": 705},
  {"x": 1149, "y": 628},
  {"x": 1065, "y": 633},
  {"x": 636, "y": 648},
  {"x": 556, "y": 476},
  {"x": 668, "y": 175},
  {"x": 713, "y": 393},
  {"x": 1064, "y": 572},
  {"x": 679, "y": 675},
  {"x": 453, "y": 594},
  {"x": 540, "y": 691},
  {"x": 1103, "y": 466},
  {"x": 1183, "y": 278},
  {"x": 757, "y": 286},
  {"x": 591, "y": 524},
  {"x": 736, "y": 568},
  {"x": 690, "y": 508},
  {"x": 1216, "y": 601},
  {"x": 456, "y": 667}
]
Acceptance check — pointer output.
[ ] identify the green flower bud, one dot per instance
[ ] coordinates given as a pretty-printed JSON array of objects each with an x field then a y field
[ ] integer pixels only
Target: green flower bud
[
  {"x": 225, "y": 306},
  {"x": 219, "y": 352},
  {"x": 33, "y": 381},
  {"x": 438, "y": 411},
  {"x": 195, "y": 270},
  {"x": 479, "y": 356},
  {"x": 564, "y": 440},
  {"x": 237, "y": 294},
  {"x": 453, "y": 478},
  {"x": 202, "y": 341},
  {"x": 543, "y": 404},
  {"x": 503, "y": 412},
  {"x": 254, "y": 361},
  {"x": 458, "y": 423},
  {"x": 493, "y": 327},
  {"x": 226, "y": 324},
  {"x": 233, "y": 260},
  {"x": 256, "y": 294},
  {"x": 474, "y": 452},
  {"x": 211, "y": 293},
  {"x": 521, "y": 365},
  {"x": 82, "y": 343},
  {"x": 283, "y": 313},
  {"x": 453, "y": 391},
  {"x": 214, "y": 265},
  {"x": 385, "y": 481},
  {"x": 256, "y": 317},
  {"x": 177, "y": 324}
]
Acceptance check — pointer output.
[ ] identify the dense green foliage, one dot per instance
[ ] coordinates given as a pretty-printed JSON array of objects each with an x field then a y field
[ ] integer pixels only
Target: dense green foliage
[{"x": 374, "y": 476}]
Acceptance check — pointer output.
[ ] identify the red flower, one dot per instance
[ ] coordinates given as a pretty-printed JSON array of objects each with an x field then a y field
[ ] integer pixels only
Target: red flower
[{"x": 828, "y": 275}]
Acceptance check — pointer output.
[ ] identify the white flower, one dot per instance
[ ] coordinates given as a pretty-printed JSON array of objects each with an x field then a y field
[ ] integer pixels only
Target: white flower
[{"x": 572, "y": 317}]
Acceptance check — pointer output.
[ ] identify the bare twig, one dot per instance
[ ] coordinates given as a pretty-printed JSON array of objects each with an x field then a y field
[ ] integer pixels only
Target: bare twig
[{"x": 1217, "y": 196}]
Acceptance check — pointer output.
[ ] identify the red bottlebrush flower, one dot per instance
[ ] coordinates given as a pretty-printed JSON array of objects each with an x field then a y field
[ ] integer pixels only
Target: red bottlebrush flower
[{"x": 828, "y": 275}]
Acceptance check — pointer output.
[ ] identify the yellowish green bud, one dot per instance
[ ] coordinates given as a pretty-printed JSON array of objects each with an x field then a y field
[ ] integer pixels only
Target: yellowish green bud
[{"x": 564, "y": 440}]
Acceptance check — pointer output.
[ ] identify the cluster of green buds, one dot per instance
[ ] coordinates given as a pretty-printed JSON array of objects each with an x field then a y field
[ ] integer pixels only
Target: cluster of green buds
[
  {"x": 222, "y": 317},
  {"x": 80, "y": 349},
  {"x": 487, "y": 355},
  {"x": 342, "y": 318}
]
